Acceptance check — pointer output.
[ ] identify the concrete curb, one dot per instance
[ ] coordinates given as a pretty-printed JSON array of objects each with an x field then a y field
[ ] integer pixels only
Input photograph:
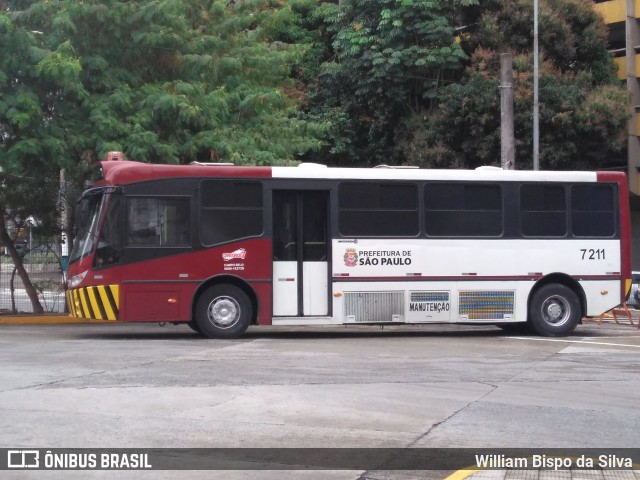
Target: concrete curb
[{"x": 61, "y": 319}]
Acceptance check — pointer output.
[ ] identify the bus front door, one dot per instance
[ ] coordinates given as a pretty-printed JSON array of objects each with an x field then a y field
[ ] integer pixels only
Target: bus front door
[{"x": 300, "y": 253}]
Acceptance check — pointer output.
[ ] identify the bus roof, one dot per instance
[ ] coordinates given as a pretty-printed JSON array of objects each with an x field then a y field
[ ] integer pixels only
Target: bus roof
[
  {"x": 496, "y": 174},
  {"x": 127, "y": 172}
]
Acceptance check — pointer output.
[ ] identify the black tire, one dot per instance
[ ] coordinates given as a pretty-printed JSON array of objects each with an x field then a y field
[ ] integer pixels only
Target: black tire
[
  {"x": 223, "y": 311},
  {"x": 194, "y": 326},
  {"x": 554, "y": 310}
]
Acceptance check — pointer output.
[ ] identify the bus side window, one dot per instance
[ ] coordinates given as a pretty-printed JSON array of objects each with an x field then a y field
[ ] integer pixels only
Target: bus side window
[
  {"x": 378, "y": 209},
  {"x": 156, "y": 222},
  {"x": 543, "y": 210},
  {"x": 230, "y": 210},
  {"x": 285, "y": 233},
  {"x": 142, "y": 218},
  {"x": 314, "y": 227},
  {"x": 463, "y": 209},
  {"x": 593, "y": 211}
]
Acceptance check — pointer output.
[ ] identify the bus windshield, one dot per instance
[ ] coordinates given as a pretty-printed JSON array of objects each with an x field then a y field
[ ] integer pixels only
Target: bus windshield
[{"x": 88, "y": 213}]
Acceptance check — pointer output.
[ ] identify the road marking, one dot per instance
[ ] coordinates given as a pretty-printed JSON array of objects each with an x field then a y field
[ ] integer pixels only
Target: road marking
[
  {"x": 576, "y": 341},
  {"x": 615, "y": 336},
  {"x": 462, "y": 474}
]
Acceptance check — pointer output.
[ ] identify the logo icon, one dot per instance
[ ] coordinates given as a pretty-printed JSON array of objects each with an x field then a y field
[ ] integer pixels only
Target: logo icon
[
  {"x": 23, "y": 459},
  {"x": 351, "y": 257},
  {"x": 236, "y": 254}
]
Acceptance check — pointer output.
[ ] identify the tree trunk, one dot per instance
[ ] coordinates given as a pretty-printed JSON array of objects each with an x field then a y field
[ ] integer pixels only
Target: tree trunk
[
  {"x": 17, "y": 261},
  {"x": 13, "y": 291}
]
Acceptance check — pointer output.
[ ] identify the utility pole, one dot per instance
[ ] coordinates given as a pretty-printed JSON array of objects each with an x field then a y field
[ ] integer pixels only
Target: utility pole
[
  {"x": 536, "y": 105},
  {"x": 64, "y": 241},
  {"x": 507, "y": 141}
]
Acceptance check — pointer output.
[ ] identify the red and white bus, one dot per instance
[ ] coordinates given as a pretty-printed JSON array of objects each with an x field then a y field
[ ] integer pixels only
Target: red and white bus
[{"x": 222, "y": 247}]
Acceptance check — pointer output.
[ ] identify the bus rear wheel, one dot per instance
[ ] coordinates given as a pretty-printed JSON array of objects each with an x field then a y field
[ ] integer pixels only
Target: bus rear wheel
[
  {"x": 223, "y": 311},
  {"x": 554, "y": 310}
]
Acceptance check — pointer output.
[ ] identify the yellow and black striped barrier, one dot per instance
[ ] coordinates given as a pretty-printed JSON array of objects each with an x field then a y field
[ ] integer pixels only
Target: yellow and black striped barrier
[{"x": 101, "y": 302}]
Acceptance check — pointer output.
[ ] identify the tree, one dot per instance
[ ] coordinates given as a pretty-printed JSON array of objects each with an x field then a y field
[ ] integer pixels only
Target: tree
[
  {"x": 417, "y": 82},
  {"x": 583, "y": 111},
  {"x": 165, "y": 81},
  {"x": 391, "y": 57},
  {"x": 29, "y": 145}
]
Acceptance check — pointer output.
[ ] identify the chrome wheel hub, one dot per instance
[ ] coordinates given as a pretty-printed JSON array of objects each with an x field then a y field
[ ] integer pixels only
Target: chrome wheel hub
[
  {"x": 556, "y": 310},
  {"x": 223, "y": 312}
]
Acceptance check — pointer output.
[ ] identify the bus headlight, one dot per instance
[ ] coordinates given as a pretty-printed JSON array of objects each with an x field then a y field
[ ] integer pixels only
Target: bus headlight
[{"x": 76, "y": 280}]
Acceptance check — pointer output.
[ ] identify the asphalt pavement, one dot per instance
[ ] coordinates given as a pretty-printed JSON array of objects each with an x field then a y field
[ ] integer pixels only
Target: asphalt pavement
[{"x": 115, "y": 385}]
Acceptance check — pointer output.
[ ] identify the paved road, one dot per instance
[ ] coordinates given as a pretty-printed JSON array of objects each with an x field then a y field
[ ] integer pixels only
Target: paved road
[{"x": 436, "y": 386}]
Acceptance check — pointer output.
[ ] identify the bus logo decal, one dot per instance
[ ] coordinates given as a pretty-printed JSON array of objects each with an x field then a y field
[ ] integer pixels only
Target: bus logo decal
[
  {"x": 236, "y": 254},
  {"x": 351, "y": 257}
]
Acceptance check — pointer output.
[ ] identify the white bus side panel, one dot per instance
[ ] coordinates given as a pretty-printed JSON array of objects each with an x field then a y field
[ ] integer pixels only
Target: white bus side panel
[
  {"x": 315, "y": 286},
  {"x": 599, "y": 295},
  {"x": 431, "y": 302},
  {"x": 484, "y": 281},
  {"x": 477, "y": 257},
  {"x": 450, "y": 302},
  {"x": 474, "y": 281},
  {"x": 285, "y": 287}
]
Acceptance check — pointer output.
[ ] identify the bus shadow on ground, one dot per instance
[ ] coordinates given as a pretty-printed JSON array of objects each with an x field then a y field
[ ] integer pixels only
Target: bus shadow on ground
[{"x": 182, "y": 332}]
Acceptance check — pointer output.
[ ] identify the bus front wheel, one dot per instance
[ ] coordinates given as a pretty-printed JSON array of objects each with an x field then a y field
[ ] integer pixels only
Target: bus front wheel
[
  {"x": 223, "y": 311},
  {"x": 554, "y": 310},
  {"x": 193, "y": 325}
]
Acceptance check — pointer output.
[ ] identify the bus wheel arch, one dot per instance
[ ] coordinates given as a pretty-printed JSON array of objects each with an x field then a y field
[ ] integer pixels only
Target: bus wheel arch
[
  {"x": 556, "y": 305},
  {"x": 235, "y": 296}
]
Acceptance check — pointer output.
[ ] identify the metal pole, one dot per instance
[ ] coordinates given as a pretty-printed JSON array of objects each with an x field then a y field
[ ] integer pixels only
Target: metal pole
[
  {"x": 64, "y": 241},
  {"x": 507, "y": 141},
  {"x": 536, "y": 105}
]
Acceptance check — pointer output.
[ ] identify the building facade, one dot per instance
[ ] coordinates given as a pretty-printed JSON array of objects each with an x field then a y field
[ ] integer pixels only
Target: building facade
[{"x": 623, "y": 19}]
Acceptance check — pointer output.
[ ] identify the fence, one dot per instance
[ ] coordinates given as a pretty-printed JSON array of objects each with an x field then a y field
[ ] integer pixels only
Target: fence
[{"x": 42, "y": 263}]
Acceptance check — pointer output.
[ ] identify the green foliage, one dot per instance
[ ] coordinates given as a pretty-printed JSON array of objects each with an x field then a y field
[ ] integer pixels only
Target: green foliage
[
  {"x": 163, "y": 80},
  {"x": 36, "y": 80},
  {"x": 584, "y": 109},
  {"x": 389, "y": 59},
  {"x": 379, "y": 81},
  {"x": 393, "y": 87},
  {"x": 464, "y": 122}
]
